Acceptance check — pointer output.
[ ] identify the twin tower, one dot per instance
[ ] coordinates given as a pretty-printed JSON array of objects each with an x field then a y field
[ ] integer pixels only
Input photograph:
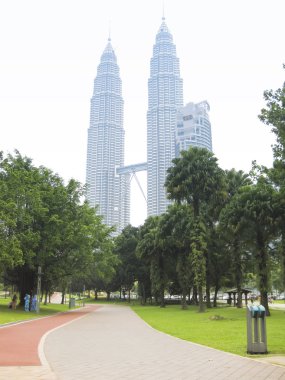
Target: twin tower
[{"x": 170, "y": 128}]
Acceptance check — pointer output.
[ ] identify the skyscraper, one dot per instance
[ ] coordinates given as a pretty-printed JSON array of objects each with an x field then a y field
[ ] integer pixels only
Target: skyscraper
[
  {"x": 105, "y": 150},
  {"x": 193, "y": 127},
  {"x": 165, "y": 97}
]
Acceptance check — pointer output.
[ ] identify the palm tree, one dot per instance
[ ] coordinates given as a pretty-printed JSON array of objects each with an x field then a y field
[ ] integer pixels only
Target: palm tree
[
  {"x": 196, "y": 179},
  {"x": 235, "y": 180},
  {"x": 151, "y": 249},
  {"x": 251, "y": 212},
  {"x": 175, "y": 228}
]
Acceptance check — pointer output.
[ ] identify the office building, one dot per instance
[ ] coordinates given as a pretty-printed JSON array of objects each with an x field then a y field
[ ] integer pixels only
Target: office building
[
  {"x": 165, "y": 97},
  {"x": 193, "y": 127},
  {"x": 106, "y": 190}
]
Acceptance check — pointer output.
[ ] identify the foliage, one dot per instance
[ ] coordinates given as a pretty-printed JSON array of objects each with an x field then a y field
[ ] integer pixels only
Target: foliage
[
  {"x": 234, "y": 231},
  {"x": 129, "y": 268},
  {"x": 154, "y": 252},
  {"x": 46, "y": 224},
  {"x": 251, "y": 213},
  {"x": 274, "y": 116},
  {"x": 176, "y": 225},
  {"x": 196, "y": 179}
]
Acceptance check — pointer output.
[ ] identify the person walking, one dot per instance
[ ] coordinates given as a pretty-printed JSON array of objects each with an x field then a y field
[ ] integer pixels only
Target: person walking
[
  {"x": 34, "y": 303},
  {"x": 14, "y": 302},
  {"x": 27, "y": 302}
]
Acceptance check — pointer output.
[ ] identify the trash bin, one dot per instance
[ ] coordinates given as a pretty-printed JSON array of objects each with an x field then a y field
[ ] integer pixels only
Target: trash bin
[
  {"x": 71, "y": 303},
  {"x": 256, "y": 330},
  {"x": 254, "y": 311}
]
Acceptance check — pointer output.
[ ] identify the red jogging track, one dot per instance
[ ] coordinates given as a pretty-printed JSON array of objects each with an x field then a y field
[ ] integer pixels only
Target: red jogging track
[{"x": 19, "y": 342}]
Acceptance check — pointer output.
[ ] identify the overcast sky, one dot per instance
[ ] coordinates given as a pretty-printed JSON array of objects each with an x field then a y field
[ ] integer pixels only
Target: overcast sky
[{"x": 229, "y": 51}]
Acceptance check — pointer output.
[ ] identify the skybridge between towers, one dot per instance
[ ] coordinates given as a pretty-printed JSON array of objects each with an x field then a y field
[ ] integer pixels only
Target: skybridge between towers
[{"x": 132, "y": 170}]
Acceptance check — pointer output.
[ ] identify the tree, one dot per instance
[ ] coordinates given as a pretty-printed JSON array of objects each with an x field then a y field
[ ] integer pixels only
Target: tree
[
  {"x": 21, "y": 207},
  {"x": 195, "y": 178},
  {"x": 274, "y": 116},
  {"x": 176, "y": 226},
  {"x": 233, "y": 234},
  {"x": 85, "y": 243},
  {"x": 125, "y": 248},
  {"x": 46, "y": 224},
  {"x": 151, "y": 249},
  {"x": 251, "y": 212},
  {"x": 10, "y": 249}
]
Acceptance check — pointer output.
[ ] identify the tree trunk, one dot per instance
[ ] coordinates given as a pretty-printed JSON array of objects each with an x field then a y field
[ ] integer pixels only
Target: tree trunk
[
  {"x": 238, "y": 272},
  {"x": 283, "y": 259},
  {"x": 143, "y": 297},
  {"x": 46, "y": 298},
  {"x": 201, "y": 303},
  {"x": 182, "y": 269},
  {"x": 156, "y": 299},
  {"x": 189, "y": 296},
  {"x": 239, "y": 298},
  {"x": 208, "y": 283},
  {"x": 162, "y": 303},
  {"x": 262, "y": 263},
  {"x": 216, "y": 295},
  {"x": 195, "y": 295},
  {"x": 62, "y": 296},
  {"x": 184, "y": 305},
  {"x": 208, "y": 296},
  {"x": 108, "y": 295},
  {"x": 26, "y": 283},
  {"x": 129, "y": 295}
]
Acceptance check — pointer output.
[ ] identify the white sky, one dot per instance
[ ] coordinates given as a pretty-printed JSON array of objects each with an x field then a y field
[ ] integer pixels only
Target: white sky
[{"x": 229, "y": 51}]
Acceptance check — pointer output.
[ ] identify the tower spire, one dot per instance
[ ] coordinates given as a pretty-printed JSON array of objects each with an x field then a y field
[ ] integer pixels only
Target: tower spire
[
  {"x": 163, "y": 16},
  {"x": 109, "y": 34}
]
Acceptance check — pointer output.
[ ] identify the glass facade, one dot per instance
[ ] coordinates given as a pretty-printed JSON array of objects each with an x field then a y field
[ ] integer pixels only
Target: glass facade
[
  {"x": 106, "y": 190},
  {"x": 165, "y": 97},
  {"x": 193, "y": 127}
]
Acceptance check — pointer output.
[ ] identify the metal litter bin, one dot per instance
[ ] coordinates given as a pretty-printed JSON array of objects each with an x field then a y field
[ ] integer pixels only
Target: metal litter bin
[
  {"x": 71, "y": 303},
  {"x": 256, "y": 330}
]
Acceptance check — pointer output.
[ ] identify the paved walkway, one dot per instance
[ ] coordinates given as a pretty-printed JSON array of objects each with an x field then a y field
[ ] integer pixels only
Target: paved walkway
[{"x": 112, "y": 343}]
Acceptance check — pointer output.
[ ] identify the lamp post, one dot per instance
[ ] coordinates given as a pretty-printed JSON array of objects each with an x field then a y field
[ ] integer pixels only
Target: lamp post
[{"x": 39, "y": 288}]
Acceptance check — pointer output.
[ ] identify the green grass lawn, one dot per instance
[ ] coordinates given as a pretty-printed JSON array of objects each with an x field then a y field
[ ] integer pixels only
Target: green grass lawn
[
  {"x": 227, "y": 332},
  {"x": 8, "y": 315}
]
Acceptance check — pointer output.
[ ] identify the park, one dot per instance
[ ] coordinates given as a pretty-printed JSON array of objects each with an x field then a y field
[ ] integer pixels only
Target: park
[{"x": 224, "y": 229}]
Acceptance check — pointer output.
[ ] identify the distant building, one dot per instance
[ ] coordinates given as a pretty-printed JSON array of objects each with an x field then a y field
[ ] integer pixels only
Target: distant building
[
  {"x": 170, "y": 129},
  {"x": 165, "y": 97},
  {"x": 105, "y": 151},
  {"x": 193, "y": 127}
]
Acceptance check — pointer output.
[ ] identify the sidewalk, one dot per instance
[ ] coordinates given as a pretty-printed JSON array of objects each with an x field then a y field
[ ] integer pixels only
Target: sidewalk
[{"x": 113, "y": 343}]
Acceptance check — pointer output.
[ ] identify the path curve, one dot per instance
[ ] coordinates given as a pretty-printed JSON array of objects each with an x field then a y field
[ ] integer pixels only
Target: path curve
[
  {"x": 115, "y": 344},
  {"x": 19, "y": 342}
]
